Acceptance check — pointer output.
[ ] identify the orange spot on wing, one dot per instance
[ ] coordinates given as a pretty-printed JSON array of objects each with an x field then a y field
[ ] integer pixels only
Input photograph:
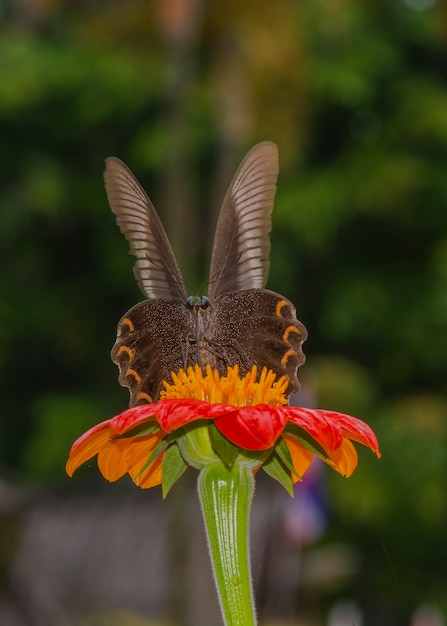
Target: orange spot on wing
[
  {"x": 134, "y": 374},
  {"x": 287, "y": 356},
  {"x": 279, "y": 306},
  {"x": 290, "y": 329},
  {"x": 127, "y": 350},
  {"x": 128, "y": 322},
  {"x": 144, "y": 396}
]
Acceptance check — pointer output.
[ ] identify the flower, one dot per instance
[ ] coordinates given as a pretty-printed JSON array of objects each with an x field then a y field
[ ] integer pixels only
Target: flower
[{"x": 250, "y": 414}]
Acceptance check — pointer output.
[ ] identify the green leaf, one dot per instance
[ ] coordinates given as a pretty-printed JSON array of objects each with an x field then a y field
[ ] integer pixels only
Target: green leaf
[
  {"x": 283, "y": 453},
  {"x": 173, "y": 467},
  {"x": 158, "y": 450},
  {"x": 253, "y": 458},
  {"x": 277, "y": 470},
  {"x": 222, "y": 446}
]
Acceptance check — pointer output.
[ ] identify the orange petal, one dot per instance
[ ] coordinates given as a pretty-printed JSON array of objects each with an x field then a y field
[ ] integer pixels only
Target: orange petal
[
  {"x": 141, "y": 449},
  {"x": 127, "y": 455},
  {"x": 301, "y": 457},
  {"x": 151, "y": 476},
  {"x": 89, "y": 444},
  {"x": 111, "y": 459},
  {"x": 345, "y": 458},
  {"x": 137, "y": 457}
]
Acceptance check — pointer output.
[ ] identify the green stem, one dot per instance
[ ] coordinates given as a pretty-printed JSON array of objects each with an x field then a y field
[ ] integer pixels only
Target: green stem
[{"x": 226, "y": 495}]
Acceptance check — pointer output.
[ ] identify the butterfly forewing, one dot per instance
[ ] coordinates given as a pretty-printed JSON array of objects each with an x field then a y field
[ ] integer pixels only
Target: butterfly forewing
[
  {"x": 241, "y": 248},
  {"x": 156, "y": 269}
]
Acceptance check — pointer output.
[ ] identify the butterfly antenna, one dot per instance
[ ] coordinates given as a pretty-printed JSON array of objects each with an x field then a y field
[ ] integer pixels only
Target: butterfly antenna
[
  {"x": 204, "y": 286},
  {"x": 180, "y": 283},
  {"x": 217, "y": 276}
]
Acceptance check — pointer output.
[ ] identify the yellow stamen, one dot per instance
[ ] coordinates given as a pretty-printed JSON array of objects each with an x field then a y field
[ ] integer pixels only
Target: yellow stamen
[{"x": 228, "y": 389}]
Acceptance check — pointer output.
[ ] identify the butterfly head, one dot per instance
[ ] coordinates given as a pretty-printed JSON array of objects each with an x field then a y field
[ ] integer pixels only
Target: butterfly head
[{"x": 197, "y": 302}]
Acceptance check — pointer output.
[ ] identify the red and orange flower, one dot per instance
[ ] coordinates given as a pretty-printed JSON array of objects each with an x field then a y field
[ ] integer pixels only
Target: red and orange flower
[{"x": 251, "y": 415}]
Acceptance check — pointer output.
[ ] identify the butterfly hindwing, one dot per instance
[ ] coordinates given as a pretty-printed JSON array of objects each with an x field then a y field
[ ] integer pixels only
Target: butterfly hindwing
[
  {"x": 259, "y": 327},
  {"x": 152, "y": 342},
  {"x": 157, "y": 337}
]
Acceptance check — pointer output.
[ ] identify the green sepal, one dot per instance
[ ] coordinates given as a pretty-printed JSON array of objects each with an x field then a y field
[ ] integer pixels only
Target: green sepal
[
  {"x": 306, "y": 440},
  {"x": 142, "y": 430},
  {"x": 195, "y": 445},
  {"x": 283, "y": 452},
  {"x": 173, "y": 467},
  {"x": 164, "y": 443},
  {"x": 253, "y": 458},
  {"x": 222, "y": 446},
  {"x": 277, "y": 469}
]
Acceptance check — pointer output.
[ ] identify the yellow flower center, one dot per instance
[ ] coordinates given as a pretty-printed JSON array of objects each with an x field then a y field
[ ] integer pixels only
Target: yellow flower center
[{"x": 228, "y": 389}]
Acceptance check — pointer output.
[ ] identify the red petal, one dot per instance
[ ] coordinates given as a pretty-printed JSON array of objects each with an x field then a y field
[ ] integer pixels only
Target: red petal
[
  {"x": 355, "y": 429},
  {"x": 173, "y": 414},
  {"x": 319, "y": 425},
  {"x": 170, "y": 414},
  {"x": 252, "y": 427},
  {"x": 132, "y": 417}
]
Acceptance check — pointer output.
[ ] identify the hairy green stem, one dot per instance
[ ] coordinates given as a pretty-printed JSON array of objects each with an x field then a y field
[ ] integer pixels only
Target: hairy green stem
[{"x": 226, "y": 495}]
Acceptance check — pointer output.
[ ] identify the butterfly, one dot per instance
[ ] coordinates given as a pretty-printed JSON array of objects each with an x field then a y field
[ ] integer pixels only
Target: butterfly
[{"x": 238, "y": 322}]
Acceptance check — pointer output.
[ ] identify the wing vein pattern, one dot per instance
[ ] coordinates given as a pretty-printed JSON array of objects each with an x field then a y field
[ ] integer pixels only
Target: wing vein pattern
[
  {"x": 156, "y": 269},
  {"x": 241, "y": 249}
]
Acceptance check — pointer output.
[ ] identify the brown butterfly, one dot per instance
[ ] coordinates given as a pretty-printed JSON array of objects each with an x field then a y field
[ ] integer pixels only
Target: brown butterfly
[{"x": 239, "y": 322}]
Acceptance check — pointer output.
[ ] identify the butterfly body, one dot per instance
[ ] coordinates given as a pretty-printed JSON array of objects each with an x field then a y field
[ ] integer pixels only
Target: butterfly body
[{"x": 239, "y": 322}]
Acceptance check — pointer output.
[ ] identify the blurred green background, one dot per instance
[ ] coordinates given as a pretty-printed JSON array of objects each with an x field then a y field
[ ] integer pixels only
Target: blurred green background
[{"x": 354, "y": 92}]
